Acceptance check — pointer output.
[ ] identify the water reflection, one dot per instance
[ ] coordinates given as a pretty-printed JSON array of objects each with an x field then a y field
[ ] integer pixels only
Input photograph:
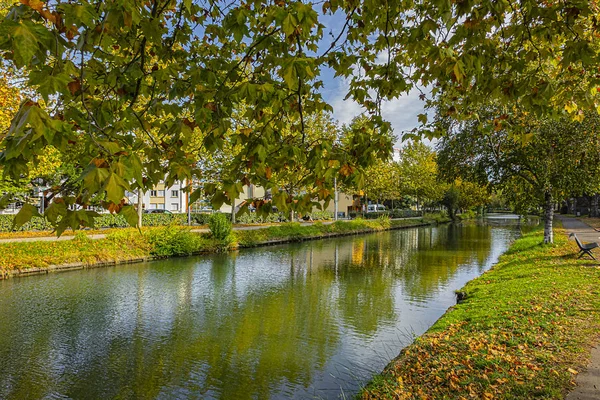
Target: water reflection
[{"x": 291, "y": 321}]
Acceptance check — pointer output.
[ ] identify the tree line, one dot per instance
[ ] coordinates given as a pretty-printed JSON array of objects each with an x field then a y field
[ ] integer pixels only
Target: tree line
[{"x": 138, "y": 92}]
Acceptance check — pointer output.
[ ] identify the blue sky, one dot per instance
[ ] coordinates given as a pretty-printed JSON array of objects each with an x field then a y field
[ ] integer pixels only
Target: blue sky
[{"x": 402, "y": 112}]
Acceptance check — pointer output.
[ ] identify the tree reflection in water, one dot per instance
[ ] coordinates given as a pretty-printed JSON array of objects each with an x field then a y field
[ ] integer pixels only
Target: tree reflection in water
[{"x": 286, "y": 321}]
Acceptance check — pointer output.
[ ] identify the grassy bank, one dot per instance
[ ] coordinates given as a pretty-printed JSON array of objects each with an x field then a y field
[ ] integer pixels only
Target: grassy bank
[
  {"x": 522, "y": 330},
  {"x": 127, "y": 244},
  {"x": 297, "y": 232}
]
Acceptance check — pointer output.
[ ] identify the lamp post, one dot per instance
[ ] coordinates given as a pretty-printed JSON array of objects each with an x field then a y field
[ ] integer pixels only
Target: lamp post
[{"x": 335, "y": 199}]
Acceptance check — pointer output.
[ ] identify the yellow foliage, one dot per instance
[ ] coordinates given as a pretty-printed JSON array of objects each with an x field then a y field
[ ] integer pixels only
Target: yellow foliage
[{"x": 10, "y": 98}]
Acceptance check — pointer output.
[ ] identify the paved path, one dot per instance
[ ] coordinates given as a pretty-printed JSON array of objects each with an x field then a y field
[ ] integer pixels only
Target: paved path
[
  {"x": 588, "y": 382},
  {"x": 584, "y": 232}
]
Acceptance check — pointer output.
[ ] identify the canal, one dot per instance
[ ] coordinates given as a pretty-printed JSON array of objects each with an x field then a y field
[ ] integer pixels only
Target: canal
[{"x": 311, "y": 320}]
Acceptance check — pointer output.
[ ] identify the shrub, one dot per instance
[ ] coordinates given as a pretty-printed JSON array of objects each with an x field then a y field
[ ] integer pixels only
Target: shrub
[
  {"x": 220, "y": 226},
  {"x": 406, "y": 213},
  {"x": 438, "y": 217},
  {"x": 371, "y": 215},
  {"x": 469, "y": 214},
  {"x": 253, "y": 218},
  {"x": 173, "y": 241},
  {"x": 321, "y": 215}
]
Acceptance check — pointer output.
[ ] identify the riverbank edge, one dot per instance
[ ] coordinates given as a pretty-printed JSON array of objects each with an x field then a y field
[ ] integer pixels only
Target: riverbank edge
[
  {"x": 463, "y": 355},
  {"x": 21, "y": 273}
]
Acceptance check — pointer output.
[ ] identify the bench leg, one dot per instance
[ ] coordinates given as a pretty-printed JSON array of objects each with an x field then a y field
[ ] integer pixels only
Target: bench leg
[{"x": 584, "y": 252}]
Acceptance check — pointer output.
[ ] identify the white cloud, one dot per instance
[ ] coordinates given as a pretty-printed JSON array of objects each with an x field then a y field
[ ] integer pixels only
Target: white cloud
[{"x": 401, "y": 113}]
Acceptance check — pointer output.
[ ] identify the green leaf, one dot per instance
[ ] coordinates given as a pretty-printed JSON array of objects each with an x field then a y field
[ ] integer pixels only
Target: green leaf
[
  {"x": 25, "y": 44},
  {"x": 54, "y": 211},
  {"x": 69, "y": 220},
  {"x": 130, "y": 215},
  {"x": 290, "y": 76},
  {"x": 196, "y": 194},
  {"x": 115, "y": 188},
  {"x": 24, "y": 215},
  {"x": 95, "y": 177},
  {"x": 5, "y": 200},
  {"x": 289, "y": 24}
]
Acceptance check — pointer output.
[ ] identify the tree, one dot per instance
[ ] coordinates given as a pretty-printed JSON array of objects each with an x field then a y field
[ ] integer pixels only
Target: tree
[
  {"x": 124, "y": 78},
  {"x": 373, "y": 173},
  {"x": 562, "y": 158},
  {"x": 419, "y": 173},
  {"x": 541, "y": 55},
  {"x": 382, "y": 181}
]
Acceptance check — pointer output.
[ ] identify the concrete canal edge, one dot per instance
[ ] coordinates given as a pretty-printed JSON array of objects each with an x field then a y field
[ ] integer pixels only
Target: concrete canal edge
[{"x": 80, "y": 265}]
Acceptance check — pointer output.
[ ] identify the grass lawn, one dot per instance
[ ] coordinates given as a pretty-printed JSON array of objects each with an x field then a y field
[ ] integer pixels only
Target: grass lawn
[
  {"x": 523, "y": 330},
  {"x": 122, "y": 244}
]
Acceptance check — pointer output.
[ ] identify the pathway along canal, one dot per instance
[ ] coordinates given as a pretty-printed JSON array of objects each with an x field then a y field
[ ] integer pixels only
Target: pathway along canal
[{"x": 307, "y": 320}]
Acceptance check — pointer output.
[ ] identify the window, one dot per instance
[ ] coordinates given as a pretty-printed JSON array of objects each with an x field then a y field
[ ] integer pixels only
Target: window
[
  {"x": 161, "y": 193},
  {"x": 174, "y": 206},
  {"x": 153, "y": 193},
  {"x": 153, "y": 206},
  {"x": 160, "y": 206},
  {"x": 174, "y": 193}
]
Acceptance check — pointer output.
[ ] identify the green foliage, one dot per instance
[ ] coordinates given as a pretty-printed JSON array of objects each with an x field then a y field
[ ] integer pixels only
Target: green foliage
[
  {"x": 173, "y": 241},
  {"x": 122, "y": 82},
  {"x": 418, "y": 171},
  {"x": 468, "y": 214},
  {"x": 107, "y": 221},
  {"x": 321, "y": 215},
  {"x": 254, "y": 218},
  {"x": 293, "y": 231},
  {"x": 389, "y": 214},
  {"x": 220, "y": 226},
  {"x": 437, "y": 218},
  {"x": 128, "y": 244},
  {"x": 518, "y": 332}
]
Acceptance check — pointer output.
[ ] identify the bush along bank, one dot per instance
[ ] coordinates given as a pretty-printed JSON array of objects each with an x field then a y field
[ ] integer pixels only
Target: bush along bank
[
  {"x": 522, "y": 330},
  {"x": 125, "y": 245}
]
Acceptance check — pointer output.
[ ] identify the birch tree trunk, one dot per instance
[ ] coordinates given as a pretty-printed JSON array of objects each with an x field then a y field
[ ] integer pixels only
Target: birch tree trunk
[{"x": 548, "y": 217}]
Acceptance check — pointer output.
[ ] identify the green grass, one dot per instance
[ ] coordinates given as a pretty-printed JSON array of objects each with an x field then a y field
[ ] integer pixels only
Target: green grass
[
  {"x": 294, "y": 231},
  {"x": 120, "y": 245},
  {"x": 126, "y": 244},
  {"x": 523, "y": 330}
]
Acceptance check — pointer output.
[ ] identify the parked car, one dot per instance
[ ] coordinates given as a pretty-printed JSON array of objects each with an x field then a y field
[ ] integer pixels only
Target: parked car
[
  {"x": 157, "y": 211},
  {"x": 376, "y": 208}
]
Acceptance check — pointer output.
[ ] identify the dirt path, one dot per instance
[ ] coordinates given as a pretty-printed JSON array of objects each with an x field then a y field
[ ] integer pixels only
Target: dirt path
[{"x": 588, "y": 382}]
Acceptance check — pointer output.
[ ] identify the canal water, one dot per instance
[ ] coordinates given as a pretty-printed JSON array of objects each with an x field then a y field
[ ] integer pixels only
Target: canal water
[{"x": 311, "y": 320}]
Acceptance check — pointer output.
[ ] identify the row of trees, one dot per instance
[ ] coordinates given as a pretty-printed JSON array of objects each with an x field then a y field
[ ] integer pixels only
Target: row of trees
[
  {"x": 559, "y": 158},
  {"x": 130, "y": 87},
  {"x": 416, "y": 179}
]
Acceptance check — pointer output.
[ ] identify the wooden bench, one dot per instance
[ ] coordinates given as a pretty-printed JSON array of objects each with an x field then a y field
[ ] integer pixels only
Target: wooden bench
[{"x": 585, "y": 248}]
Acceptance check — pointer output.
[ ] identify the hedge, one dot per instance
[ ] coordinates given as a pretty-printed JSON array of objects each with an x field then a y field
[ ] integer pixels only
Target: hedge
[
  {"x": 390, "y": 214},
  {"x": 110, "y": 221}
]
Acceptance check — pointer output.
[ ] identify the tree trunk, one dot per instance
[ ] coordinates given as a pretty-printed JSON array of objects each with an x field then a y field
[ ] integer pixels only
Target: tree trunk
[
  {"x": 233, "y": 212},
  {"x": 594, "y": 208},
  {"x": 451, "y": 213},
  {"x": 140, "y": 205},
  {"x": 548, "y": 217},
  {"x": 572, "y": 202}
]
